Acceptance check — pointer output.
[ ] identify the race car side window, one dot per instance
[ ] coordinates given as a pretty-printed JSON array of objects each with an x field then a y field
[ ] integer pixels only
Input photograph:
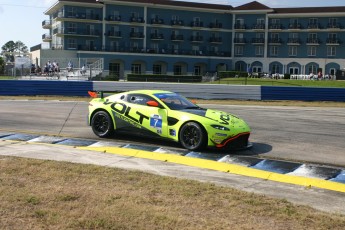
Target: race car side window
[{"x": 139, "y": 99}]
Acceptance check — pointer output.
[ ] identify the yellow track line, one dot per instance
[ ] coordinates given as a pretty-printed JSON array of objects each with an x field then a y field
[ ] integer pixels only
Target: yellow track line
[{"x": 224, "y": 167}]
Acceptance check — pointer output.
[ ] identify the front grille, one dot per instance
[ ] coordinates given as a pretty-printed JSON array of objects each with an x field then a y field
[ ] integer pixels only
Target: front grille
[{"x": 238, "y": 143}]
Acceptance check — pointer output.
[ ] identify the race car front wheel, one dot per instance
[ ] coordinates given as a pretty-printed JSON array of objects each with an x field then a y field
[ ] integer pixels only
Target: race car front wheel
[
  {"x": 192, "y": 136},
  {"x": 101, "y": 124}
]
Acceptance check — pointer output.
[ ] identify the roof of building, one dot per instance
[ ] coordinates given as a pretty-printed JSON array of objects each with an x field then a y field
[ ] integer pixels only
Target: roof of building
[
  {"x": 252, "y": 6},
  {"x": 333, "y": 9}
]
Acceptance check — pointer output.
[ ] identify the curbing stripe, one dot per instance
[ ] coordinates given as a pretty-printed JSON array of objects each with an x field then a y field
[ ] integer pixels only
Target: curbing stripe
[{"x": 224, "y": 167}]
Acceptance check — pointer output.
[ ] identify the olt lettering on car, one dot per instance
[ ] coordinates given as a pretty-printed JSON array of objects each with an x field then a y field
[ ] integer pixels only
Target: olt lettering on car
[
  {"x": 156, "y": 123},
  {"x": 225, "y": 119},
  {"x": 122, "y": 111}
]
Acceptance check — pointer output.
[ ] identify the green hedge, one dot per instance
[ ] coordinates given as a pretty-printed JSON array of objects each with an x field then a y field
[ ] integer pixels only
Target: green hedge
[
  {"x": 106, "y": 78},
  {"x": 231, "y": 74},
  {"x": 163, "y": 78}
]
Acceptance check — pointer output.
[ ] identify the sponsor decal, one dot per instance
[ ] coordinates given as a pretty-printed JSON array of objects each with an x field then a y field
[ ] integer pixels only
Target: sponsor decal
[
  {"x": 156, "y": 123},
  {"x": 221, "y": 134},
  {"x": 172, "y": 132},
  {"x": 225, "y": 119}
]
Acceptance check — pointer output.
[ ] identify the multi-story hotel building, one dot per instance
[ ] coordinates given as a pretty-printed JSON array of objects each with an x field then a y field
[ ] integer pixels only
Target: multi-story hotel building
[{"x": 186, "y": 38}]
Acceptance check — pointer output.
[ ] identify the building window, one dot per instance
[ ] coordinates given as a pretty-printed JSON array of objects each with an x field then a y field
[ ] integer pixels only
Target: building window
[
  {"x": 177, "y": 70},
  {"x": 312, "y": 69},
  {"x": 71, "y": 43},
  {"x": 71, "y": 12},
  {"x": 136, "y": 68},
  {"x": 259, "y": 50},
  {"x": 114, "y": 46},
  {"x": 311, "y": 51},
  {"x": 274, "y": 51},
  {"x": 71, "y": 28},
  {"x": 292, "y": 50},
  {"x": 114, "y": 69},
  {"x": 275, "y": 69},
  {"x": 157, "y": 69},
  {"x": 134, "y": 46},
  {"x": 238, "y": 50},
  {"x": 197, "y": 70},
  {"x": 331, "y": 51}
]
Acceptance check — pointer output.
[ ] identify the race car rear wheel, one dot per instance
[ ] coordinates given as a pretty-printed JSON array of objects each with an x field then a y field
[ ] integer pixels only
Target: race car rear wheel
[
  {"x": 192, "y": 136},
  {"x": 102, "y": 125}
]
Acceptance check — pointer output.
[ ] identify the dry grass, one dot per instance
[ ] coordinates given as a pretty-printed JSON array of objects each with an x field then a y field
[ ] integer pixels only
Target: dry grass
[{"x": 37, "y": 194}]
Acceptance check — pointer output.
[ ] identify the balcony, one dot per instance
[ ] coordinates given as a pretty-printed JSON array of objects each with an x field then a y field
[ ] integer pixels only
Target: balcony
[
  {"x": 47, "y": 24},
  {"x": 294, "y": 41},
  {"x": 315, "y": 26},
  {"x": 114, "y": 34},
  {"x": 240, "y": 26},
  {"x": 333, "y": 41},
  {"x": 46, "y": 37},
  {"x": 76, "y": 32},
  {"x": 275, "y": 26},
  {"x": 275, "y": 41},
  {"x": 313, "y": 41},
  {"x": 177, "y": 38},
  {"x": 112, "y": 18},
  {"x": 216, "y": 40},
  {"x": 240, "y": 40},
  {"x": 334, "y": 26},
  {"x": 157, "y": 21},
  {"x": 295, "y": 26},
  {"x": 79, "y": 16},
  {"x": 216, "y": 25},
  {"x": 196, "y": 38},
  {"x": 197, "y": 24},
  {"x": 177, "y": 23},
  {"x": 258, "y": 40},
  {"x": 156, "y": 36},
  {"x": 136, "y": 35},
  {"x": 258, "y": 27},
  {"x": 136, "y": 20}
]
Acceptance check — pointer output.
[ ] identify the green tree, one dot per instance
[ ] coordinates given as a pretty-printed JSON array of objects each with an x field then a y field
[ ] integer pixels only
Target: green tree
[
  {"x": 11, "y": 49},
  {"x": 2, "y": 65}
]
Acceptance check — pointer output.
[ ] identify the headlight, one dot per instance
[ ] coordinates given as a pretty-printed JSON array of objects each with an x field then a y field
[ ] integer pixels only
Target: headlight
[{"x": 219, "y": 127}]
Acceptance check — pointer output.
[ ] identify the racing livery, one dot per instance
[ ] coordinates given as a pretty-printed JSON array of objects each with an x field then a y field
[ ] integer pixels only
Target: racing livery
[{"x": 168, "y": 115}]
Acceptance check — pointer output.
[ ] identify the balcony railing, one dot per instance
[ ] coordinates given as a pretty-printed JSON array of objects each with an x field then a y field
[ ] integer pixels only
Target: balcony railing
[
  {"x": 334, "y": 26},
  {"x": 313, "y": 41},
  {"x": 78, "y": 15},
  {"x": 295, "y": 26},
  {"x": 114, "y": 18},
  {"x": 47, "y": 24},
  {"x": 46, "y": 37},
  {"x": 197, "y": 24},
  {"x": 140, "y": 50},
  {"x": 258, "y": 40},
  {"x": 157, "y": 21},
  {"x": 315, "y": 26},
  {"x": 136, "y": 35},
  {"x": 333, "y": 41},
  {"x": 275, "y": 41},
  {"x": 196, "y": 38},
  {"x": 76, "y": 32},
  {"x": 216, "y": 25},
  {"x": 216, "y": 40},
  {"x": 114, "y": 34},
  {"x": 240, "y": 40},
  {"x": 177, "y": 23},
  {"x": 155, "y": 36},
  {"x": 240, "y": 26},
  {"x": 275, "y": 26},
  {"x": 294, "y": 41},
  {"x": 258, "y": 27},
  {"x": 137, "y": 20},
  {"x": 178, "y": 37}
]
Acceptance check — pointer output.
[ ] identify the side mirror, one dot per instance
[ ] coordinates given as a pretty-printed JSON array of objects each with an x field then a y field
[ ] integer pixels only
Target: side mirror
[{"x": 152, "y": 103}]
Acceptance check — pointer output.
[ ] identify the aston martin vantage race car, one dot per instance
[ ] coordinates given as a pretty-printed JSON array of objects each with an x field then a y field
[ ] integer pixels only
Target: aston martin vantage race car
[{"x": 167, "y": 115}]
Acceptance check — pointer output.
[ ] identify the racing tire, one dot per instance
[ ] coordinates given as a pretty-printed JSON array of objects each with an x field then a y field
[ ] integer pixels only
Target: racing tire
[
  {"x": 192, "y": 136},
  {"x": 102, "y": 124}
]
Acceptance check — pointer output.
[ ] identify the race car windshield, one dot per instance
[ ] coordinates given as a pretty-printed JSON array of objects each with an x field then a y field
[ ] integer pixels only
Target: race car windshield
[{"x": 175, "y": 101}]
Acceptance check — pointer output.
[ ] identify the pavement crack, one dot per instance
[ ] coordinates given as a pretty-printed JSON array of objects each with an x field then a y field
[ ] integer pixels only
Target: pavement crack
[{"x": 67, "y": 118}]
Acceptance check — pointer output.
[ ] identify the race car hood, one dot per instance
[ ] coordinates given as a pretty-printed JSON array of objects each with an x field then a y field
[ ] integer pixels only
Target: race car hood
[{"x": 215, "y": 115}]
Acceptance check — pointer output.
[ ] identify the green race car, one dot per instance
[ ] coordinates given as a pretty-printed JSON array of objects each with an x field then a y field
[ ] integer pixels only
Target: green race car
[{"x": 167, "y": 115}]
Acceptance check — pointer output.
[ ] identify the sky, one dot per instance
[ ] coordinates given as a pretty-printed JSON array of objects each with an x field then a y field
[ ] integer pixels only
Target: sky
[{"x": 21, "y": 20}]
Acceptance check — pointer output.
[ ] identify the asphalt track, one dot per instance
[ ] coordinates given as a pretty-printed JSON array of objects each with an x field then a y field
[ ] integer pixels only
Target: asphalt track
[{"x": 289, "y": 133}]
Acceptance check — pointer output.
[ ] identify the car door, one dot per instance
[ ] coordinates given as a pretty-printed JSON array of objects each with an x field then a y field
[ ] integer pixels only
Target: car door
[{"x": 151, "y": 118}]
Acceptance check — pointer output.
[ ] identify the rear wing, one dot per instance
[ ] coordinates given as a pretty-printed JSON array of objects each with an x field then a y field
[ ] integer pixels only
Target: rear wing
[{"x": 100, "y": 93}]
